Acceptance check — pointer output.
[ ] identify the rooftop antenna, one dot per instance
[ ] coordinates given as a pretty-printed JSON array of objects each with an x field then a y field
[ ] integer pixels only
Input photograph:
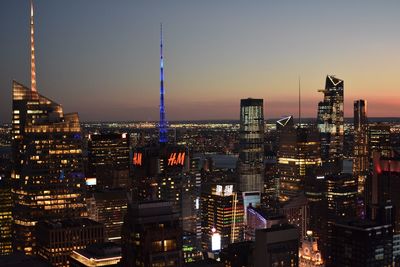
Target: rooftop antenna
[
  {"x": 299, "y": 102},
  {"x": 163, "y": 124},
  {"x": 33, "y": 66}
]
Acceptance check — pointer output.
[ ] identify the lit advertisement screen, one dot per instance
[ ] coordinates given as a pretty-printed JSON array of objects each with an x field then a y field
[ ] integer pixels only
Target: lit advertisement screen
[
  {"x": 91, "y": 181},
  {"x": 215, "y": 242},
  {"x": 253, "y": 198}
]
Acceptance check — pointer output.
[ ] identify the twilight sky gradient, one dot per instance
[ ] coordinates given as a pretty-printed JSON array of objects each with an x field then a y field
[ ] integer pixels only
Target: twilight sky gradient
[{"x": 101, "y": 57}]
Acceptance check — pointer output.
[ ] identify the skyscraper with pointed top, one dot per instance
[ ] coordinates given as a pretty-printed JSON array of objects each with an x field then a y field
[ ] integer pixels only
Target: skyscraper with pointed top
[
  {"x": 163, "y": 123},
  {"x": 47, "y": 163},
  {"x": 330, "y": 120}
]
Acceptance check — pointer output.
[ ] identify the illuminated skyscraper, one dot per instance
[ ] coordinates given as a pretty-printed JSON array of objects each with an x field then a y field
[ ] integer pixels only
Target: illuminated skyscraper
[
  {"x": 222, "y": 216},
  {"x": 298, "y": 155},
  {"x": 47, "y": 173},
  {"x": 360, "y": 152},
  {"x": 251, "y": 155},
  {"x": 330, "y": 120}
]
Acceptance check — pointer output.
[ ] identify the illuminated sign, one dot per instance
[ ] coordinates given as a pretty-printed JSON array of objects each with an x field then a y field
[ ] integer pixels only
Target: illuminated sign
[
  {"x": 253, "y": 198},
  {"x": 222, "y": 190},
  {"x": 320, "y": 177},
  {"x": 176, "y": 159},
  {"x": 228, "y": 190},
  {"x": 137, "y": 158},
  {"x": 215, "y": 241},
  {"x": 91, "y": 181},
  {"x": 218, "y": 190}
]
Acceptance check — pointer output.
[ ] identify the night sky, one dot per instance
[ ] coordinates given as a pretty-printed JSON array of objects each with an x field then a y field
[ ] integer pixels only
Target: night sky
[{"x": 100, "y": 58}]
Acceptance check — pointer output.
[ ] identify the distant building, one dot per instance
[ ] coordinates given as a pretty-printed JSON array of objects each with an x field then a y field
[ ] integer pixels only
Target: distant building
[
  {"x": 108, "y": 160},
  {"x": 109, "y": 208},
  {"x": 277, "y": 246},
  {"x": 298, "y": 154},
  {"x": 58, "y": 238},
  {"x": 151, "y": 235},
  {"x": 360, "y": 151},
  {"x": 362, "y": 243},
  {"x": 379, "y": 139},
  {"x": 309, "y": 254},
  {"x": 251, "y": 146},
  {"x": 105, "y": 254},
  {"x": 330, "y": 120}
]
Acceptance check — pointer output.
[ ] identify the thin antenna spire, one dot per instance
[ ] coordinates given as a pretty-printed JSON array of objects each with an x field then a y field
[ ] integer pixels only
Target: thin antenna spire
[
  {"x": 33, "y": 66},
  {"x": 163, "y": 124},
  {"x": 299, "y": 102}
]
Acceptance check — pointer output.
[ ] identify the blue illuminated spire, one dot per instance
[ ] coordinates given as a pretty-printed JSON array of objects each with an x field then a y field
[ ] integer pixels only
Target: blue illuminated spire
[{"x": 163, "y": 123}]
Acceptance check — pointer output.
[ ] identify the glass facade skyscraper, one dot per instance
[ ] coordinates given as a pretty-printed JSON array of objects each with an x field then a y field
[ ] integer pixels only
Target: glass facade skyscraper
[
  {"x": 251, "y": 155},
  {"x": 330, "y": 119},
  {"x": 47, "y": 173},
  {"x": 360, "y": 151}
]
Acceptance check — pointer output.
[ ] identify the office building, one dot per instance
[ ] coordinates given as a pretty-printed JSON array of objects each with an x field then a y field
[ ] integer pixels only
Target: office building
[
  {"x": 108, "y": 160},
  {"x": 109, "y": 208},
  {"x": 151, "y": 235},
  {"x": 222, "y": 216},
  {"x": 5, "y": 217},
  {"x": 360, "y": 151},
  {"x": 384, "y": 188},
  {"x": 298, "y": 155},
  {"x": 362, "y": 243},
  {"x": 261, "y": 218},
  {"x": 330, "y": 120},
  {"x": 47, "y": 173},
  {"x": 250, "y": 167},
  {"x": 297, "y": 213},
  {"x": 96, "y": 255},
  {"x": 379, "y": 139},
  {"x": 277, "y": 246},
  {"x": 341, "y": 195},
  {"x": 57, "y": 239}
]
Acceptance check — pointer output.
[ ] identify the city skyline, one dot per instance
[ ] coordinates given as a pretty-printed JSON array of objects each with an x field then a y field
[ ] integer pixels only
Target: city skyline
[{"x": 110, "y": 62}]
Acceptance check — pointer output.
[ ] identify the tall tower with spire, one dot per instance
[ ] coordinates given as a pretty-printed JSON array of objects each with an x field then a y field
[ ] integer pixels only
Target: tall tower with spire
[
  {"x": 47, "y": 175},
  {"x": 163, "y": 123},
  {"x": 33, "y": 67}
]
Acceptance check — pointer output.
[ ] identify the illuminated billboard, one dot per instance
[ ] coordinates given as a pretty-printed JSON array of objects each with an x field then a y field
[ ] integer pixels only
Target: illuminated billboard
[
  {"x": 224, "y": 190},
  {"x": 215, "y": 240},
  {"x": 253, "y": 198},
  {"x": 91, "y": 181}
]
